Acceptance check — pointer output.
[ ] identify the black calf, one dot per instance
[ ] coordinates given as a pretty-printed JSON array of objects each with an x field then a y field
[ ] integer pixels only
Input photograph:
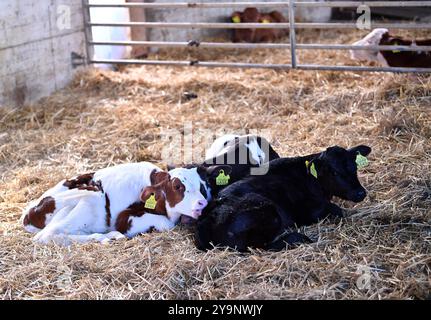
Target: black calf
[{"x": 256, "y": 211}]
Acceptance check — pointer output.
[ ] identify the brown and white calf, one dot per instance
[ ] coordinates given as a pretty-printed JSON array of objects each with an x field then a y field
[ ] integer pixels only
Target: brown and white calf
[
  {"x": 252, "y": 15},
  {"x": 393, "y": 58},
  {"x": 96, "y": 206}
]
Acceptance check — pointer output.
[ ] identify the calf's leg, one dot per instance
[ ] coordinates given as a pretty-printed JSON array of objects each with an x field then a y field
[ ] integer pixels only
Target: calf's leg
[
  {"x": 335, "y": 210},
  {"x": 239, "y": 223},
  {"x": 143, "y": 223},
  {"x": 290, "y": 239},
  {"x": 86, "y": 218},
  {"x": 68, "y": 239}
]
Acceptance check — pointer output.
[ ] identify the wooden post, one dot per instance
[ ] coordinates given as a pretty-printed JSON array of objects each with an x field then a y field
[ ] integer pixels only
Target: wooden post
[{"x": 138, "y": 33}]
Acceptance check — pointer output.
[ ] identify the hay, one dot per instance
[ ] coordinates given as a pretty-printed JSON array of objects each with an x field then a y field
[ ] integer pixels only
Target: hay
[{"x": 105, "y": 118}]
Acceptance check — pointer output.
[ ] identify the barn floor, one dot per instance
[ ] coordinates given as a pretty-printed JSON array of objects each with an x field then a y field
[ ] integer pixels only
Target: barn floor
[{"x": 105, "y": 118}]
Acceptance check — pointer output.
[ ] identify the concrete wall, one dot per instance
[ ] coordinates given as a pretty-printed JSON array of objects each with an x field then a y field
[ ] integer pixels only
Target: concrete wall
[{"x": 36, "y": 41}]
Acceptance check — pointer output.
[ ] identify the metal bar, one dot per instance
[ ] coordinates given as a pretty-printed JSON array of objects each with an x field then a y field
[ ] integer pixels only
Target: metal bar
[
  {"x": 227, "y": 45},
  {"x": 213, "y": 64},
  {"x": 292, "y": 36},
  {"x": 146, "y": 62},
  {"x": 350, "y": 4},
  {"x": 278, "y": 4},
  {"x": 312, "y": 25},
  {"x": 259, "y": 65},
  {"x": 87, "y": 32},
  {"x": 166, "y": 44},
  {"x": 361, "y": 68},
  {"x": 190, "y": 5},
  {"x": 354, "y": 47},
  {"x": 209, "y": 25},
  {"x": 215, "y": 25}
]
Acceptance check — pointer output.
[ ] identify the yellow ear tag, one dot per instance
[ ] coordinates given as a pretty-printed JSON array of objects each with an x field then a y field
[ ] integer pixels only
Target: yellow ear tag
[
  {"x": 151, "y": 202},
  {"x": 396, "y": 51},
  {"x": 313, "y": 170},
  {"x": 361, "y": 161},
  {"x": 221, "y": 179},
  {"x": 236, "y": 19},
  {"x": 266, "y": 21}
]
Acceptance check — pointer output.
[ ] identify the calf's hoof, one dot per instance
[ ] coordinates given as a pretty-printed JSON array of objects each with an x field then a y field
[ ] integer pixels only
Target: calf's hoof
[
  {"x": 115, "y": 235},
  {"x": 335, "y": 211},
  {"x": 292, "y": 240}
]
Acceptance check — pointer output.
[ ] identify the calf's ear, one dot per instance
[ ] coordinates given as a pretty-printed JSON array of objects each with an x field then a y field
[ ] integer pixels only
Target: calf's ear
[
  {"x": 214, "y": 171},
  {"x": 208, "y": 172},
  {"x": 170, "y": 167},
  {"x": 157, "y": 177},
  {"x": 314, "y": 167},
  {"x": 362, "y": 149},
  {"x": 153, "y": 199}
]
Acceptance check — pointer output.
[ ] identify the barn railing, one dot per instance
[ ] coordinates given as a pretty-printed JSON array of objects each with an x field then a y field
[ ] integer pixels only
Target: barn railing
[{"x": 291, "y": 25}]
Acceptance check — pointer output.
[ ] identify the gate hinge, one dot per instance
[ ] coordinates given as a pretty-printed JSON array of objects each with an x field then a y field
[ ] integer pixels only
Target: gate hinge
[{"x": 77, "y": 60}]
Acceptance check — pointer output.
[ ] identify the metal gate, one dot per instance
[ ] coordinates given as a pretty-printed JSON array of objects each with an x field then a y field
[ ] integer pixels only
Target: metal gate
[{"x": 292, "y": 46}]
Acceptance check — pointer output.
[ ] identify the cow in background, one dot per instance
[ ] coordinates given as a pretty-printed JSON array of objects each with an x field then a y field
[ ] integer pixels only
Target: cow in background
[
  {"x": 392, "y": 58},
  {"x": 252, "y": 15}
]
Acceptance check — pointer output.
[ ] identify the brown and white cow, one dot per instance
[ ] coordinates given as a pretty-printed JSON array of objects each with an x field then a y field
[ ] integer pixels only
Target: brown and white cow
[
  {"x": 393, "y": 58},
  {"x": 252, "y": 15},
  {"x": 91, "y": 206}
]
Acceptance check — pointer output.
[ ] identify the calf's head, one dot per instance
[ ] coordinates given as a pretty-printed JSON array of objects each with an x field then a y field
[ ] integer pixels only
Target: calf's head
[
  {"x": 250, "y": 15},
  {"x": 372, "y": 39},
  {"x": 176, "y": 193},
  {"x": 277, "y": 16},
  {"x": 336, "y": 171}
]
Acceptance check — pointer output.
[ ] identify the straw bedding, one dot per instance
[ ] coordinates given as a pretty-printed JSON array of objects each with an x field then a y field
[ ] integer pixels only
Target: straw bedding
[{"x": 106, "y": 118}]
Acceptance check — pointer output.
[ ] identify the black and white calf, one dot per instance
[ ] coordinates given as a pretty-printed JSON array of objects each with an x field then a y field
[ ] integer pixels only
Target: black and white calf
[
  {"x": 92, "y": 206},
  {"x": 229, "y": 159},
  {"x": 235, "y": 157},
  {"x": 255, "y": 150},
  {"x": 245, "y": 155},
  {"x": 256, "y": 211}
]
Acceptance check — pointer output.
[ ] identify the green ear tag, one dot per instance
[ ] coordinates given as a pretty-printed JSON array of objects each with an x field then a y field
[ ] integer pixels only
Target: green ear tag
[
  {"x": 151, "y": 202},
  {"x": 361, "y": 161},
  {"x": 221, "y": 179},
  {"x": 313, "y": 170},
  {"x": 236, "y": 19}
]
